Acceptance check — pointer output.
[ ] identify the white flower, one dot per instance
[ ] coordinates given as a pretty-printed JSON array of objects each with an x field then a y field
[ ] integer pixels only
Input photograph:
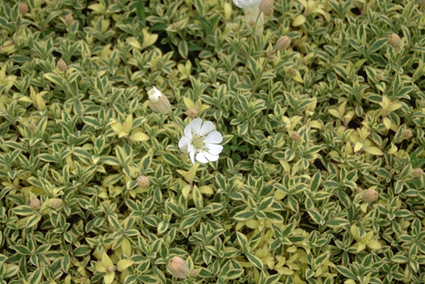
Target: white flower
[
  {"x": 201, "y": 142},
  {"x": 251, "y": 9},
  {"x": 158, "y": 102}
]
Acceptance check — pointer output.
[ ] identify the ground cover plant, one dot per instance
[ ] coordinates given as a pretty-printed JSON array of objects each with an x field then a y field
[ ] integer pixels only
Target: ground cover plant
[{"x": 209, "y": 141}]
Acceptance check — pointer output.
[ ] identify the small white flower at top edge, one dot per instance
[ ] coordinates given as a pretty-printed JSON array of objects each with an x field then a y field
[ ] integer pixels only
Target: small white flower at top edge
[{"x": 200, "y": 141}]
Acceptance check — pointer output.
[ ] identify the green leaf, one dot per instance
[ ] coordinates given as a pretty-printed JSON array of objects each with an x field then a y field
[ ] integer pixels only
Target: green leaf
[
  {"x": 242, "y": 240},
  {"x": 82, "y": 251},
  {"x": 346, "y": 272},
  {"x": 23, "y": 210},
  {"x": 254, "y": 260},
  {"x": 22, "y": 250},
  {"x": 244, "y": 215}
]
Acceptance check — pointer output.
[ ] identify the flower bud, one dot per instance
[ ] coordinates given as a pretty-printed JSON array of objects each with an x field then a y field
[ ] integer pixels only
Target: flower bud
[
  {"x": 62, "y": 65},
  {"x": 295, "y": 135},
  {"x": 266, "y": 6},
  {"x": 143, "y": 181},
  {"x": 192, "y": 112},
  {"x": 69, "y": 19},
  {"x": 158, "y": 101},
  {"x": 358, "y": 189},
  {"x": 283, "y": 43},
  {"x": 35, "y": 203},
  {"x": 370, "y": 195},
  {"x": 394, "y": 40},
  {"x": 417, "y": 173},
  {"x": 292, "y": 72},
  {"x": 178, "y": 267},
  {"x": 270, "y": 54},
  {"x": 23, "y": 9},
  {"x": 56, "y": 203},
  {"x": 194, "y": 273},
  {"x": 407, "y": 133}
]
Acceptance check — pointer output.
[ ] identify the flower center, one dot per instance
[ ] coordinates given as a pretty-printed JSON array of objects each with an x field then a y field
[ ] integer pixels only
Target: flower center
[{"x": 198, "y": 142}]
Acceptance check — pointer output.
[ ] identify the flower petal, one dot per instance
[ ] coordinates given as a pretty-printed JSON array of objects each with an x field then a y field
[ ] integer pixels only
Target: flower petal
[
  {"x": 183, "y": 144},
  {"x": 213, "y": 137},
  {"x": 211, "y": 157},
  {"x": 214, "y": 149},
  {"x": 200, "y": 157},
  {"x": 192, "y": 156},
  {"x": 193, "y": 127},
  {"x": 206, "y": 128}
]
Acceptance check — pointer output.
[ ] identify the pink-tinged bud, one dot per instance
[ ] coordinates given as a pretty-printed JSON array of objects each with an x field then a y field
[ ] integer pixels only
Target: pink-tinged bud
[
  {"x": 158, "y": 101},
  {"x": 370, "y": 196},
  {"x": 417, "y": 173},
  {"x": 35, "y": 203},
  {"x": 283, "y": 43},
  {"x": 143, "y": 181},
  {"x": 23, "y": 9},
  {"x": 266, "y": 6},
  {"x": 394, "y": 40},
  {"x": 62, "y": 65},
  {"x": 178, "y": 267},
  {"x": 56, "y": 203}
]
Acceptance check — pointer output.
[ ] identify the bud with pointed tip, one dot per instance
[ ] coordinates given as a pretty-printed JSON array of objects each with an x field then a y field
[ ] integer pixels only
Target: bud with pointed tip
[
  {"x": 158, "y": 101},
  {"x": 178, "y": 267},
  {"x": 62, "y": 65},
  {"x": 283, "y": 43},
  {"x": 370, "y": 195},
  {"x": 266, "y": 6},
  {"x": 23, "y": 9}
]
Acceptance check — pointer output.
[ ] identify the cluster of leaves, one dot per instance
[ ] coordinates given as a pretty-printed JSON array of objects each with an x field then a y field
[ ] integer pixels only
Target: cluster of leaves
[{"x": 306, "y": 131}]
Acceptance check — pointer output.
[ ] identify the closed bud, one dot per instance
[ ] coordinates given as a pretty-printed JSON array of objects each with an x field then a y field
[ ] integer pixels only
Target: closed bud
[
  {"x": 358, "y": 189},
  {"x": 56, "y": 203},
  {"x": 292, "y": 72},
  {"x": 295, "y": 136},
  {"x": 143, "y": 181},
  {"x": 422, "y": 3},
  {"x": 62, "y": 65},
  {"x": 194, "y": 273},
  {"x": 23, "y": 9},
  {"x": 158, "y": 101},
  {"x": 370, "y": 195},
  {"x": 270, "y": 54},
  {"x": 69, "y": 19},
  {"x": 178, "y": 267},
  {"x": 192, "y": 112},
  {"x": 266, "y": 6},
  {"x": 417, "y": 173},
  {"x": 35, "y": 203},
  {"x": 283, "y": 43},
  {"x": 394, "y": 40},
  {"x": 407, "y": 133}
]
